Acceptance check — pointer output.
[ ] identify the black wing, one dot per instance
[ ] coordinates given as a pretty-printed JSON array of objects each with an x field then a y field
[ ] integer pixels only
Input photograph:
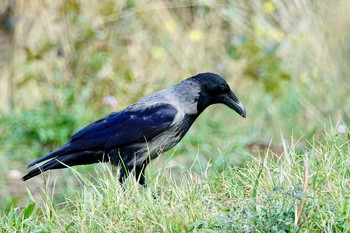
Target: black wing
[
  {"x": 117, "y": 130},
  {"x": 122, "y": 128}
]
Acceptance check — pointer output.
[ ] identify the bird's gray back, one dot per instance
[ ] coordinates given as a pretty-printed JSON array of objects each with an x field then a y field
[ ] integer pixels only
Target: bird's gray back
[{"x": 183, "y": 97}]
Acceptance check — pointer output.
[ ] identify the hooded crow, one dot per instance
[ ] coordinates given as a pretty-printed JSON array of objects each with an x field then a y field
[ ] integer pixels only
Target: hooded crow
[{"x": 144, "y": 130}]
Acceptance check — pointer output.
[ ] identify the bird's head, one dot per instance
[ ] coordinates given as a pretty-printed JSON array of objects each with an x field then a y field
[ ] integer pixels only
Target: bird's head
[{"x": 213, "y": 90}]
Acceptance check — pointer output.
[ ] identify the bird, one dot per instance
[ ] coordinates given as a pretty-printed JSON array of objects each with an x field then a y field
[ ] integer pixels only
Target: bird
[{"x": 131, "y": 138}]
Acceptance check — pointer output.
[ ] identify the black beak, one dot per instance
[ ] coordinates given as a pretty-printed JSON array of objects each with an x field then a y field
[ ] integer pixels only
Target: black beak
[{"x": 233, "y": 102}]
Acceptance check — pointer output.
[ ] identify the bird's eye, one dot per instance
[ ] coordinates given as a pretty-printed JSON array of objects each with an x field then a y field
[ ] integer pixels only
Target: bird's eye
[
  {"x": 215, "y": 88},
  {"x": 225, "y": 88}
]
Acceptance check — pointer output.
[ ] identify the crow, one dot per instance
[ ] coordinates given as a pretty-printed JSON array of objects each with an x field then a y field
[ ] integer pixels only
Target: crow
[{"x": 144, "y": 130}]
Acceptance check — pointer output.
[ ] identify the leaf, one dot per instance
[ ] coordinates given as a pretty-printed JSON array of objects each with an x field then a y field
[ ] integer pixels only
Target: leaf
[{"x": 28, "y": 211}]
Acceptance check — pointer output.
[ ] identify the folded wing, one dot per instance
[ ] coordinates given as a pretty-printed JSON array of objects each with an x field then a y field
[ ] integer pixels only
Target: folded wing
[{"x": 117, "y": 130}]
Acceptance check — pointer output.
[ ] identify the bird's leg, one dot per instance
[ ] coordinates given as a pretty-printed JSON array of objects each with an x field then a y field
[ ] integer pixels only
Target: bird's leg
[
  {"x": 124, "y": 172},
  {"x": 140, "y": 173}
]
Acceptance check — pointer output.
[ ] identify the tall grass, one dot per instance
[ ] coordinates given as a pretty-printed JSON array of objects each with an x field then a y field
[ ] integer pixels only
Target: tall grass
[
  {"x": 123, "y": 47},
  {"x": 286, "y": 61},
  {"x": 301, "y": 191}
]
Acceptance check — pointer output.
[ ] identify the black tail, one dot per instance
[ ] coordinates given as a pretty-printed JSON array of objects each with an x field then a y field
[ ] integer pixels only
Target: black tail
[
  {"x": 63, "y": 161},
  {"x": 54, "y": 154}
]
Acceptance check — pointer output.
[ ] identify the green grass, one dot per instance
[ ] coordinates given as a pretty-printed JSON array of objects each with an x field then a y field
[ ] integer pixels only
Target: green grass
[
  {"x": 264, "y": 196},
  {"x": 283, "y": 169}
]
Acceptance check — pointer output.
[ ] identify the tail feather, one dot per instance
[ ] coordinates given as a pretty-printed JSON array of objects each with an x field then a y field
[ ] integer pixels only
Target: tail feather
[
  {"x": 59, "y": 152},
  {"x": 47, "y": 166},
  {"x": 63, "y": 161}
]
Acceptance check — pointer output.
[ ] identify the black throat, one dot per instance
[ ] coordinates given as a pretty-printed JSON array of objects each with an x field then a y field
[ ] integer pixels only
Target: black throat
[{"x": 186, "y": 124}]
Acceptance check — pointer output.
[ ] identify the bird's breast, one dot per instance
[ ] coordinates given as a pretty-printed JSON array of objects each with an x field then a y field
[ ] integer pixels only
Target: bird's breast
[
  {"x": 169, "y": 138},
  {"x": 152, "y": 148}
]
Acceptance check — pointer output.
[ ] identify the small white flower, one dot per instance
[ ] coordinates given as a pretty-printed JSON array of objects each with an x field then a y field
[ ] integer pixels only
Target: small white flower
[
  {"x": 110, "y": 101},
  {"x": 342, "y": 129}
]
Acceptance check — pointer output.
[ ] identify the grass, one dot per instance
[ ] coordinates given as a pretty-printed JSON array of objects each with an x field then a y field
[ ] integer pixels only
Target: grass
[
  {"x": 297, "y": 192},
  {"x": 283, "y": 169}
]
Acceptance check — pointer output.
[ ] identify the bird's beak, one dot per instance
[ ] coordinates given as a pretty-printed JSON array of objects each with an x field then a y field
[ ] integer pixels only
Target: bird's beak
[{"x": 233, "y": 102}]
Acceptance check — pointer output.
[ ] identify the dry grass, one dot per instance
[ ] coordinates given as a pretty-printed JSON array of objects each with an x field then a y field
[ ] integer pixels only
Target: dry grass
[
  {"x": 291, "y": 73},
  {"x": 155, "y": 44}
]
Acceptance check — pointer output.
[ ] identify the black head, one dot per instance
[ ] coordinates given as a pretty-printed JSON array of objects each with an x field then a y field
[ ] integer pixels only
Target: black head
[{"x": 215, "y": 89}]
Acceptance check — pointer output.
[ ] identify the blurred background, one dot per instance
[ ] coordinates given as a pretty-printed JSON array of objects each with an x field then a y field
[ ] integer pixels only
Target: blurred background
[{"x": 66, "y": 63}]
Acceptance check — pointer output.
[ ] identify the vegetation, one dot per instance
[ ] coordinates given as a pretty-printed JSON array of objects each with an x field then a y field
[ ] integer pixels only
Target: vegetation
[{"x": 64, "y": 64}]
